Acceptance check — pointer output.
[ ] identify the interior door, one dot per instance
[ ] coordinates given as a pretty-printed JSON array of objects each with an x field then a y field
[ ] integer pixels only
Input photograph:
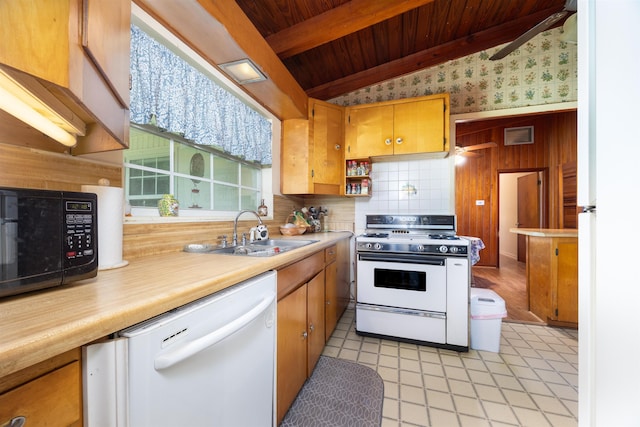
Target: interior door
[{"x": 528, "y": 208}]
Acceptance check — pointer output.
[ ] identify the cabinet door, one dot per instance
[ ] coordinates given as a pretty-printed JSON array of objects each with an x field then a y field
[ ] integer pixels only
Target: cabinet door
[
  {"x": 315, "y": 319},
  {"x": 540, "y": 275},
  {"x": 52, "y": 399},
  {"x": 567, "y": 291},
  {"x": 418, "y": 127},
  {"x": 327, "y": 143},
  {"x": 109, "y": 54},
  {"x": 292, "y": 348},
  {"x": 369, "y": 132},
  {"x": 331, "y": 294}
]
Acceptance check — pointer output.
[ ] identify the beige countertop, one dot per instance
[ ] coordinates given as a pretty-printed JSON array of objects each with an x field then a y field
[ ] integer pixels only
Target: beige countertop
[
  {"x": 42, "y": 324},
  {"x": 546, "y": 232}
]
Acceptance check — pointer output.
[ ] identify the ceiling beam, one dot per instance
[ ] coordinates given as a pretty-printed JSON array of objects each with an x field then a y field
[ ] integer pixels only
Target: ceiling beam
[
  {"x": 336, "y": 23},
  {"x": 220, "y": 32},
  {"x": 464, "y": 46}
]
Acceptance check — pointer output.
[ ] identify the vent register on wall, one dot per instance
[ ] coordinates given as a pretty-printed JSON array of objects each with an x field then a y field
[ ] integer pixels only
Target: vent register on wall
[{"x": 518, "y": 135}]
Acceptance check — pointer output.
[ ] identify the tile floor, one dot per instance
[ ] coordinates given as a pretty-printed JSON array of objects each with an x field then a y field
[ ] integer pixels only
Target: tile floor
[{"x": 533, "y": 381}]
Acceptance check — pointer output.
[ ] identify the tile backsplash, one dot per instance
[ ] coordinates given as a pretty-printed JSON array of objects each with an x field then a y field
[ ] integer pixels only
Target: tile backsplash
[{"x": 411, "y": 186}]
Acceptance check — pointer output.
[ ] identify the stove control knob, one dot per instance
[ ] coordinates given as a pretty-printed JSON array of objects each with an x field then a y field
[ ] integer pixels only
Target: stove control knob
[
  {"x": 368, "y": 245},
  {"x": 454, "y": 249},
  {"x": 420, "y": 248},
  {"x": 443, "y": 249},
  {"x": 377, "y": 246}
]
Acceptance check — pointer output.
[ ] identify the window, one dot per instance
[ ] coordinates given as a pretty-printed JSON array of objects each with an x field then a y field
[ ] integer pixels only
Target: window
[
  {"x": 194, "y": 134},
  {"x": 199, "y": 177}
]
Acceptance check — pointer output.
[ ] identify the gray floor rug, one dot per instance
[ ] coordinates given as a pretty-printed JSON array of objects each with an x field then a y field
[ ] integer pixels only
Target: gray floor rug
[{"x": 338, "y": 393}]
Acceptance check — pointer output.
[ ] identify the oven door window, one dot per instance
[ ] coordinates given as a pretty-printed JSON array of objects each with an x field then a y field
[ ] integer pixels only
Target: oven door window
[
  {"x": 397, "y": 279},
  {"x": 399, "y": 284}
]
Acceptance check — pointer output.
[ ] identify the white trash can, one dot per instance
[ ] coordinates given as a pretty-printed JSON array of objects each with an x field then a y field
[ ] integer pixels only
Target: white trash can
[{"x": 487, "y": 311}]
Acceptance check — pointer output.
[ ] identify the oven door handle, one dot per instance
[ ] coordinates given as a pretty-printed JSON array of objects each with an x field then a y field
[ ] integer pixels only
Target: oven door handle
[{"x": 402, "y": 258}]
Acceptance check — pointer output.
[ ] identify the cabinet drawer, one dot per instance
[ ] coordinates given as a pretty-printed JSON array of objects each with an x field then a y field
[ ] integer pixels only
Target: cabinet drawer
[
  {"x": 330, "y": 254},
  {"x": 289, "y": 278},
  {"x": 52, "y": 399}
]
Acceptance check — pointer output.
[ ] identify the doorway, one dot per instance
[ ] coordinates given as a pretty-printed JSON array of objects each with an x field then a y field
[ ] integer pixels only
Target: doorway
[
  {"x": 521, "y": 204},
  {"x": 520, "y": 191}
]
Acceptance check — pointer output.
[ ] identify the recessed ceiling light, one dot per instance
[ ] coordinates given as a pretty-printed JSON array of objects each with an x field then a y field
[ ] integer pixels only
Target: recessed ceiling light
[{"x": 243, "y": 71}]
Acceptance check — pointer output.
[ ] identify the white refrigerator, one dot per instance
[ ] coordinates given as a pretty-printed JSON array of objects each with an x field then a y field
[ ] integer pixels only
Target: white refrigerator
[{"x": 608, "y": 232}]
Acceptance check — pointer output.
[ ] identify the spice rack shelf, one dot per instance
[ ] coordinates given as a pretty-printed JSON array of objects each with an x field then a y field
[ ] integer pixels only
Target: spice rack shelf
[{"x": 358, "y": 178}]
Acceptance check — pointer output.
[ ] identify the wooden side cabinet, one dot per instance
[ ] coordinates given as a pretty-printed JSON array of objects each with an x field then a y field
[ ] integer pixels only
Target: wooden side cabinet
[
  {"x": 312, "y": 151},
  {"x": 402, "y": 127},
  {"x": 552, "y": 279},
  {"x": 47, "y": 394}
]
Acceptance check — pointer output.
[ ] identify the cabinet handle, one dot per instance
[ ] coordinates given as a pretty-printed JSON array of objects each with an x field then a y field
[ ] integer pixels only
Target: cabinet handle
[
  {"x": 18, "y": 421},
  {"x": 337, "y": 147},
  {"x": 304, "y": 335},
  {"x": 328, "y": 302},
  {"x": 387, "y": 141},
  {"x": 399, "y": 141},
  {"x": 311, "y": 327}
]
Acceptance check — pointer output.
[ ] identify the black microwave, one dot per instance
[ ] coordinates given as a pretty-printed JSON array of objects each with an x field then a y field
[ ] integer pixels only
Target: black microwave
[{"x": 47, "y": 238}]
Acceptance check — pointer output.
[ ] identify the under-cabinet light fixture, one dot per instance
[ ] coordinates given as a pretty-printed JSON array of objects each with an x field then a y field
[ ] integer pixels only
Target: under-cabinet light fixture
[
  {"x": 243, "y": 71},
  {"x": 16, "y": 100}
]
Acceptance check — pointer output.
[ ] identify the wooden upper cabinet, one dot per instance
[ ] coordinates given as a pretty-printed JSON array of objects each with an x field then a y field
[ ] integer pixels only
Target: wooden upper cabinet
[
  {"x": 78, "y": 51},
  {"x": 409, "y": 126},
  {"x": 312, "y": 151},
  {"x": 369, "y": 131},
  {"x": 109, "y": 54}
]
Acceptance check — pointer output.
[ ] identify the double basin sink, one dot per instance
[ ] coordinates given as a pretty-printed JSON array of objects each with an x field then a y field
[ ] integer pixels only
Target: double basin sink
[{"x": 269, "y": 247}]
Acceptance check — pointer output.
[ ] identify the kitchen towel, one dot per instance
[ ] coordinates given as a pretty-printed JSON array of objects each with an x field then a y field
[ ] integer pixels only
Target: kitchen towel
[{"x": 110, "y": 218}]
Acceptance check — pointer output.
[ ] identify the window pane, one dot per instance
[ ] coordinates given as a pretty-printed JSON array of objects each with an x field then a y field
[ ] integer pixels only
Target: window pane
[
  {"x": 225, "y": 170},
  {"x": 191, "y": 161},
  {"x": 249, "y": 200},
  {"x": 163, "y": 185},
  {"x": 192, "y": 195},
  {"x": 225, "y": 198},
  {"x": 249, "y": 176},
  {"x": 147, "y": 149}
]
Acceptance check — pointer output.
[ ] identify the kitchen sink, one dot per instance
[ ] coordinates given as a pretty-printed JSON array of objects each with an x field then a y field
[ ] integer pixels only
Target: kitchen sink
[{"x": 264, "y": 248}]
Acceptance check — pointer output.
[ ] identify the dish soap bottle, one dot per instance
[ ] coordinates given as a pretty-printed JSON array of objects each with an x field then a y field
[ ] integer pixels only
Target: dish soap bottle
[{"x": 262, "y": 209}]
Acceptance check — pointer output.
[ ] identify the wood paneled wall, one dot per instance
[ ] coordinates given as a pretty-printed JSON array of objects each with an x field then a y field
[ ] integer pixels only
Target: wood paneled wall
[
  {"x": 32, "y": 168},
  {"x": 555, "y": 136},
  {"x": 150, "y": 238}
]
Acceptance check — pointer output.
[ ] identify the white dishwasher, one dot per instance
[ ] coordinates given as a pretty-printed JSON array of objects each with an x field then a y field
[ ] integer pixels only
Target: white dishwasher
[{"x": 208, "y": 363}]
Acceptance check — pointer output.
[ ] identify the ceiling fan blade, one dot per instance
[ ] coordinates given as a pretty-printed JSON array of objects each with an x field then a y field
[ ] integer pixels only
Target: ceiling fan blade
[
  {"x": 468, "y": 154},
  {"x": 540, "y": 27},
  {"x": 480, "y": 146}
]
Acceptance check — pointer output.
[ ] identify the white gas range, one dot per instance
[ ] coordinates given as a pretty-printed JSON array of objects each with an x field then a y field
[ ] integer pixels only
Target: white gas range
[{"x": 413, "y": 280}]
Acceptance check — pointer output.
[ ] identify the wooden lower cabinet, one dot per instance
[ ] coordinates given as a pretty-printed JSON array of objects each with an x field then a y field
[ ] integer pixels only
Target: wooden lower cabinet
[
  {"x": 552, "y": 279},
  {"x": 312, "y": 295},
  {"x": 292, "y": 348},
  {"x": 301, "y": 337},
  {"x": 337, "y": 284},
  {"x": 315, "y": 320},
  {"x": 49, "y": 393}
]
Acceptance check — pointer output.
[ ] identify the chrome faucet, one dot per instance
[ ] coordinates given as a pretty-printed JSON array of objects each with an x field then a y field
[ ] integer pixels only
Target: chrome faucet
[{"x": 235, "y": 226}]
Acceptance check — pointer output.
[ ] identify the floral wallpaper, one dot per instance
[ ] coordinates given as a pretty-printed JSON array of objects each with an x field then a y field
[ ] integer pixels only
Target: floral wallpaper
[{"x": 542, "y": 71}]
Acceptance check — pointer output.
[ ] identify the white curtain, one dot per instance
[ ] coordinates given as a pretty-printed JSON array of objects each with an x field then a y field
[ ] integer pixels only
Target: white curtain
[{"x": 169, "y": 93}]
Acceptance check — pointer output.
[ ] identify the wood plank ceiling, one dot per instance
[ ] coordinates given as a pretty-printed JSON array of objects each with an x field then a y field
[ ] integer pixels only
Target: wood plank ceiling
[{"x": 333, "y": 47}]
